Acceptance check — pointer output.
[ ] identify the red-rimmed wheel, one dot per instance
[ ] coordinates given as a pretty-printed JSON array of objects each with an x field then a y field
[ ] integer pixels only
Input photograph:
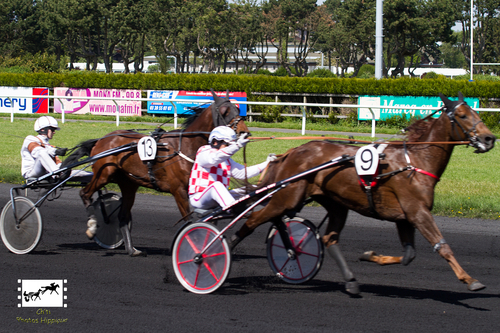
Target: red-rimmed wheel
[
  {"x": 307, "y": 247},
  {"x": 201, "y": 273}
]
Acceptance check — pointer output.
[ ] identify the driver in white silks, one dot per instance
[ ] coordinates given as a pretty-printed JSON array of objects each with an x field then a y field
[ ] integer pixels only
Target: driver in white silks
[
  {"x": 39, "y": 157},
  {"x": 213, "y": 168}
]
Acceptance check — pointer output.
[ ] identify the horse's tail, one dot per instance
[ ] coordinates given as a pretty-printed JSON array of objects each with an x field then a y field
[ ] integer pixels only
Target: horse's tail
[{"x": 83, "y": 149}]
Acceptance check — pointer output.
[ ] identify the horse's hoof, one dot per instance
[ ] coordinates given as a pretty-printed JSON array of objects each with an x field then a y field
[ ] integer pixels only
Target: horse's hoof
[
  {"x": 367, "y": 256},
  {"x": 91, "y": 228},
  {"x": 475, "y": 286},
  {"x": 352, "y": 287},
  {"x": 235, "y": 239},
  {"x": 409, "y": 255},
  {"x": 138, "y": 253},
  {"x": 89, "y": 234}
]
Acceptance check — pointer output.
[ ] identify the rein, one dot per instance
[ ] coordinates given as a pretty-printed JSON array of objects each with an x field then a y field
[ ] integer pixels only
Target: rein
[{"x": 358, "y": 141}]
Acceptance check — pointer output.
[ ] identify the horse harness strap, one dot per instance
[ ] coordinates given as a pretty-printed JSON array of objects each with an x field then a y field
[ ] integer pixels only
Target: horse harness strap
[
  {"x": 157, "y": 133},
  {"x": 368, "y": 182}
]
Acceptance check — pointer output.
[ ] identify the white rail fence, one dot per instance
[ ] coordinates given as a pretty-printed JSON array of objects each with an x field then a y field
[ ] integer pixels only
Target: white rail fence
[{"x": 302, "y": 106}]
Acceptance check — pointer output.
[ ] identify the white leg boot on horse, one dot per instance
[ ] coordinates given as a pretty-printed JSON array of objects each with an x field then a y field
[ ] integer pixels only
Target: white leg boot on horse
[{"x": 91, "y": 223}]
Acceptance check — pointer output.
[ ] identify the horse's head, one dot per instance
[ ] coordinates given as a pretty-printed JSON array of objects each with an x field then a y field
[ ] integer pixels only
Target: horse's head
[
  {"x": 467, "y": 125},
  {"x": 225, "y": 113}
]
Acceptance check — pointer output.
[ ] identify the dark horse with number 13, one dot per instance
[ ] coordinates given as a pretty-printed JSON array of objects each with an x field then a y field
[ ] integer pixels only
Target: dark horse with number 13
[
  {"x": 404, "y": 193},
  {"x": 169, "y": 172}
]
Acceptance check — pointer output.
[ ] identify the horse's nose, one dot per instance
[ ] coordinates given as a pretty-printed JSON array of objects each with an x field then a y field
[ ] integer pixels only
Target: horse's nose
[{"x": 488, "y": 140}]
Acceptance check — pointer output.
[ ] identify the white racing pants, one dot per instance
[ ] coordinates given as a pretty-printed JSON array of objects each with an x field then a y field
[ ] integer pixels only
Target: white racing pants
[
  {"x": 213, "y": 195},
  {"x": 45, "y": 164}
]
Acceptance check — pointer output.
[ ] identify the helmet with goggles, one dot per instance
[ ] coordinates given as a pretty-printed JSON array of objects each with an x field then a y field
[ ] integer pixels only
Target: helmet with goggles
[
  {"x": 46, "y": 122},
  {"x": 222, "y": 133}
]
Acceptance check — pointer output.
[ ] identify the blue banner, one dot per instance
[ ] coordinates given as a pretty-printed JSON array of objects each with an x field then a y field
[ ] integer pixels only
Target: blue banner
[{"x": 167, "y": 107}]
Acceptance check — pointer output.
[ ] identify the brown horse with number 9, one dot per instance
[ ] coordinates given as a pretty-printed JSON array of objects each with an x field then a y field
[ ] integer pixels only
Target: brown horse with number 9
[{"x": 403, "y": 192}]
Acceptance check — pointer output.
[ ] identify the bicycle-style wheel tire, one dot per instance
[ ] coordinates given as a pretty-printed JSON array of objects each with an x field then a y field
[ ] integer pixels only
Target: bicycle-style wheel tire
[
  {"x": 108, "y": 234},
  {"x": 308, "y": 247},
  {"x": 207, "y": 274},
  {"x": 24, "y": 237}
]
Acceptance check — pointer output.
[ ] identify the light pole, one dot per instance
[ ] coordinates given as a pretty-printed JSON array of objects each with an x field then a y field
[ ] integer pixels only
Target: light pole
[
  {"x": 379, "y": 39},
  {"x": 471, "y": 40}
]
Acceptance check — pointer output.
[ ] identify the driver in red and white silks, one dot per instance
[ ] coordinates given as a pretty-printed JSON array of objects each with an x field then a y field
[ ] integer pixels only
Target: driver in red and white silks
[{"x": 214, "y": 167}]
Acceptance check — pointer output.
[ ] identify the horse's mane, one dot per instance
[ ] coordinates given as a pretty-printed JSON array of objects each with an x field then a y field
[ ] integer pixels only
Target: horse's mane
[
  {"x": 416, "y": 130},
  {"x": 196, "y": 113}
]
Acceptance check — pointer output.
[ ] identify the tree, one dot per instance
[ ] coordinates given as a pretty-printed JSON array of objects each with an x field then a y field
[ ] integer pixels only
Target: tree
[
  {"x": 20, "y": 30},
  {"x": 248, "y": 40},
  {"x": 412, "y": 27},
  {"x": 292, "y": 23},
  {"x": 353, "y": 33},
  {"x": 451, "y": 54},
  {"x": 131, "y": 25}
]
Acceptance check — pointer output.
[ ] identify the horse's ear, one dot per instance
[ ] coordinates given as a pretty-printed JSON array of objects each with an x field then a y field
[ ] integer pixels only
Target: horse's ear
[
  {"x": 216, "y": 98},
  {"x": 227, "y": 94},
  {"x": 445, "y": 99},
  {"x": 460, "y": 96}
]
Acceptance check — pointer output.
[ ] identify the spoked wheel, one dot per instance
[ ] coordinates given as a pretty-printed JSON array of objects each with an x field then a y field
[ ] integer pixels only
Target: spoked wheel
[
  {"x": 106, "y": 209},
  {"x": 22, "y": 237},
  {"x": 200, "y": 273},
  {"x": 308, "y": 251}
]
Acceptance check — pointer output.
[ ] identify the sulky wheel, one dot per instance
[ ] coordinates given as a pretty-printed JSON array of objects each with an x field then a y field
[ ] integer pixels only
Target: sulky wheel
[
  {"x": 308, "y": 248},
  {"x": 200, "y": 273},
  {"x": 21, "y": 237},
  {"x": 106, "y": 209}
]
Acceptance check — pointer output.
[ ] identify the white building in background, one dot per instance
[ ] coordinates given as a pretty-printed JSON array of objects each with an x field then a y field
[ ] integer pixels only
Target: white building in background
[
  {"x": 117, "y": 66},
  {"x": 314, "y": 61}
]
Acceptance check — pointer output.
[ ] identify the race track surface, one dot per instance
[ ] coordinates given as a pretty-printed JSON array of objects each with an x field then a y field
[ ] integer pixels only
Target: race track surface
[{"x": 109, "y": 291}]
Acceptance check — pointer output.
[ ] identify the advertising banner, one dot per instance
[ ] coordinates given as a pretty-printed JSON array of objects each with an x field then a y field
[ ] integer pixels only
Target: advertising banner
[
  {"x": 166, "y": 107},
  {"x": 71, "y": 104},
  {"x": 10, "y": 104},
  {"x": 404, "y": 101}
]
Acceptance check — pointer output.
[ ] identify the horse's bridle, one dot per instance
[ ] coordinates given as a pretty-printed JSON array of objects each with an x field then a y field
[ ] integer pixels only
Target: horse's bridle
[
  {"x": 474, "y": 142},
  {"x": 220, "y": 120}
]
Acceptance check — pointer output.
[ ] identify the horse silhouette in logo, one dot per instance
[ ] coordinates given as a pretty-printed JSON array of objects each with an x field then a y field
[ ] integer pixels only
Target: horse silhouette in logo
[
  {"x": 32, "y": 295},
  {"x": 53, "y": 286}
]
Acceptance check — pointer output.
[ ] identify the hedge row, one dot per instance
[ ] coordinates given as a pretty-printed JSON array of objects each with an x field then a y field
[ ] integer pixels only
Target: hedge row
[{"x": 256, "y": 83}]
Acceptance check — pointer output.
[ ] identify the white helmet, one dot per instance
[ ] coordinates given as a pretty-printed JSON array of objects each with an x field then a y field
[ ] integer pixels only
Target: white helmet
[
  {"x": 45, "y": 121},
  {"x": 222, "y": 133}
]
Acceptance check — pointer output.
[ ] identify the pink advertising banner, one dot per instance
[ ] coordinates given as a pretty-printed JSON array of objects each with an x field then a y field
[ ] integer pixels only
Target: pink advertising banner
[{"x": 70, "y": 102}]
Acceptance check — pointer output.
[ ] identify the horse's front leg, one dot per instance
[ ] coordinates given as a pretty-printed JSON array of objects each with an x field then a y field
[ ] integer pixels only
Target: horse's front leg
[
  {"x": 425, "y": 223},
  {"x": 182, "y": 200}
]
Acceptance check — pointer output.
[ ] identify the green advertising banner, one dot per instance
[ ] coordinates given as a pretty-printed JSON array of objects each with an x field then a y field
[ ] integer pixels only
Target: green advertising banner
[{"x": 403, "y": 101}]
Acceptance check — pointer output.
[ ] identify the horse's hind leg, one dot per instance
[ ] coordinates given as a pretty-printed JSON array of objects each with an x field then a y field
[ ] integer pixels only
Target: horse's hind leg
[
  {"x": 128, "y": 190},
  {"x": 406, "y": 232},
  {"x": 99, "y": 179},
  {"x": 337, "y": 218}
]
